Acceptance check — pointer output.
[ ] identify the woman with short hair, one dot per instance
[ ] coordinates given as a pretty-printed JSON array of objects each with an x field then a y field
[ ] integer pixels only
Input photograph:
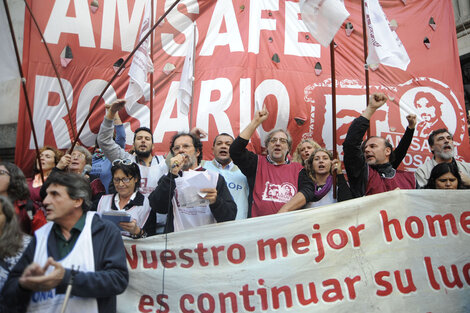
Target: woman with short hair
[{"x": 126, "y": 179}]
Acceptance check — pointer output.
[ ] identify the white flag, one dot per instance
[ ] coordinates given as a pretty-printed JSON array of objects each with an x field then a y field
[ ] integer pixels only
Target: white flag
[
  {"x": 141, "y": 65},
  {"x": 323, "y": 18},
  {"x": 8, "y": 64},
  {"x": 384, "y": 45},
  {"x": 185, "y": 91}
]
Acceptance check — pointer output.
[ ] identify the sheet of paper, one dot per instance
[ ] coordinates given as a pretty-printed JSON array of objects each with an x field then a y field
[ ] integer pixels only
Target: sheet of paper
[{"x": 188, "y": 188}]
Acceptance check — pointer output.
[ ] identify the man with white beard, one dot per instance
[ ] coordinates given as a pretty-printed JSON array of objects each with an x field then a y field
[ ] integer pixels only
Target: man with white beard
[{"x": 442, "y": 147}]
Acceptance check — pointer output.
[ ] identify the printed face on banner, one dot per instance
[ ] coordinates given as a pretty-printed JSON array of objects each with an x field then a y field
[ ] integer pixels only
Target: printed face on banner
[{"x": 244, "y": 58}]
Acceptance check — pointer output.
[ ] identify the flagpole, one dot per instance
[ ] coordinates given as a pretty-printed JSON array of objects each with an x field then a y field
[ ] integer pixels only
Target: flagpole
[
  {"x": 53, "y": 66},
  {"x": 333, "y": 108},
  {"x": 23, "y": 84},
  {"x": 366, "y": 68},
  {"x": 151, "y": 73},
  {"x": 192, "y": 82},
  {"x": 121, "y": 67}
]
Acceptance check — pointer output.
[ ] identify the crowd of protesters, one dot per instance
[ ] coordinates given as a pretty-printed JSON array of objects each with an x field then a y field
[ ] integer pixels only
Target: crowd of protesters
[{"x": 138, "y": 194}]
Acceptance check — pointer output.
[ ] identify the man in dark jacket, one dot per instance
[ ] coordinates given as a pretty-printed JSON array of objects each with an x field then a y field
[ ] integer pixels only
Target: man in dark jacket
[
  {"x": 371, "y": 165},
  {"x": 76, "y": 244},
  {"x": 186, "y": 211}
]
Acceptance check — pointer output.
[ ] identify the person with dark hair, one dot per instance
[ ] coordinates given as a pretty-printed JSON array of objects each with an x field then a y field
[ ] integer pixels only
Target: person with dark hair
[
  {"x": 223, "y": 164},
  {"x": 14, "y": 186},
  {"x": 441, "y": 142},
  {"x": 12, "y": 240},
  {"x": 214, "y": 204},
  {"x": 317, "y": 190},
  {"x": 445, "y": 176},
  {"x": 370, "y": 165},
  {"x": 273, "y": 179},
  {"x": 75, "y": 243},
  {"x": 126, "y": 180},
  {"x": 49, "y": 158}
]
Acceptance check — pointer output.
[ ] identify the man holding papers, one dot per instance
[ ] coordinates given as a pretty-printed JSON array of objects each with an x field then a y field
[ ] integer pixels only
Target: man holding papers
[{"x": 190, "y": 195}]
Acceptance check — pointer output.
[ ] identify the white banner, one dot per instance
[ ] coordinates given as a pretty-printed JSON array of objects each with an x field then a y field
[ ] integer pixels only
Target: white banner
[
  {"x": 401, "y": 251},
  {"x": 323, "y": 18},
  {"x": 141, "y": 64},
  {"x": 384, "y": 45}
]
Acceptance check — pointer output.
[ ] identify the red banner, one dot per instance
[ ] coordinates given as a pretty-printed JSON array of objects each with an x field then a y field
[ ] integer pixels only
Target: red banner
[{"x": 247, "y": 53}]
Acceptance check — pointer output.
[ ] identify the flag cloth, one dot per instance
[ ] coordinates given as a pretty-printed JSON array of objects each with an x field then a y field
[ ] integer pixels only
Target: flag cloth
[
  {"x": 141, "y": 65},
  {"x": 323, "y": 18},
  {"x": 8, "y": 63},
  {"x": 384, "y": 45},
  {"x": 185, "y": 91}
]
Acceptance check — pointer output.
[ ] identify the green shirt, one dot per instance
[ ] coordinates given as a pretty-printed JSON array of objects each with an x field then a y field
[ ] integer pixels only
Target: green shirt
[{"x": 64, "y": 246}]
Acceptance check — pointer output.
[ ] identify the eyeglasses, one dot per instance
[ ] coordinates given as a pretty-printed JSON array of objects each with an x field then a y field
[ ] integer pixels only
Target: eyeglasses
[
  {"x": 274, "y": 140},
  {"x": 122, "y": 161},
  {"x": 78, "y": 155},
  {"x": 3, "y": 172},
  {"x": 125, "y": 180},
  {"x": 186, "y": 146}
]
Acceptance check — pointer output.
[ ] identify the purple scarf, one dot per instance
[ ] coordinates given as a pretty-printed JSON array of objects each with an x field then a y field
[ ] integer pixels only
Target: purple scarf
[{"x": 325, "y": 189}]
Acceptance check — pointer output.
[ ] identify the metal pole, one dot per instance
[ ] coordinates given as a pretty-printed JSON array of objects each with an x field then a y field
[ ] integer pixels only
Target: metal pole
[
  {"x": 333, "y": 109},
  {"x": 23, "y": 84},
  {"x": 366, "y": 68},
  {"x": 192, "y": 82},
  {"x": 151, "y": 74}
]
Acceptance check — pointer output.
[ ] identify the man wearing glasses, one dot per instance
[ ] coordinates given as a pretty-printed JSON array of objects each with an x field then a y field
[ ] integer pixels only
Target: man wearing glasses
[
  {"x": 212, "y": 205},
  {"x": 273, "y": 179}
]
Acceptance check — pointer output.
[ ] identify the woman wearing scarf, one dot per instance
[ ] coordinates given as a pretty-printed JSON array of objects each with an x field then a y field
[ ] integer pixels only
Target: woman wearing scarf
[{"x": 319, "y": 168}]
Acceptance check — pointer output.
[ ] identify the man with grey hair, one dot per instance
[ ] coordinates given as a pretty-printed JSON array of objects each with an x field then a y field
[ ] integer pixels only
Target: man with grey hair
[
  {"x": 442, "y": 147},
  {"x": 273, "y": 179},
  {"x": 75, "y": 248}
]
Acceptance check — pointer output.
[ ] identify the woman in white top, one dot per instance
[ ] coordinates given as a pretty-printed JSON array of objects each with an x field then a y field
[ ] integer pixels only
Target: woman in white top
[{"x": 126, "y": 179}]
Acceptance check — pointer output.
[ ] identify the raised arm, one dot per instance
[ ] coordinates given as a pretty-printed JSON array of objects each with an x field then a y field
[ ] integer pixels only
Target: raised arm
[
  {"x": 405, "y": 142},
  {"x": 354, "y": 161},
  {"x": 110, "y": 148}
]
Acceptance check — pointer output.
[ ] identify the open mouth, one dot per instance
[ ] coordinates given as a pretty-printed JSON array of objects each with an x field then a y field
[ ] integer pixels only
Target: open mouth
[{"x": 223, "y": 153}]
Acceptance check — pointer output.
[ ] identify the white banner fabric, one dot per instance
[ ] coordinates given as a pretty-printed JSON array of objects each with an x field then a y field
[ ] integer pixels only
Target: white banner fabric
[
  {"x": 323, "y": 18},
  {"x": 384, "y": 45},
  {"x": 400, "y": 251}
]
